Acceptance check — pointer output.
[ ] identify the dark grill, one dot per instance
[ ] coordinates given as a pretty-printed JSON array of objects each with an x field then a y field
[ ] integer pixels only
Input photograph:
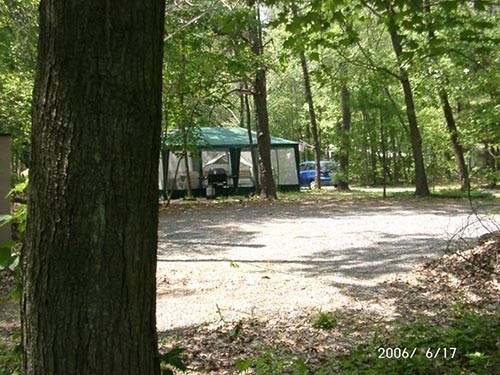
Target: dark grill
[
  {"x": 217, "y": 176},
  {"x": 216, "y": 182}
]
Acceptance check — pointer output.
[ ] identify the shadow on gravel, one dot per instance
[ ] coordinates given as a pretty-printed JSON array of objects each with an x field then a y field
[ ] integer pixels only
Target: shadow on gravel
[
  {"x": 310, "y": 209},
  {"x": 207, "y": 236},
  {"x": 211, "y": 230},
  {"x": 205, "y": 240},
  {"x": 389, "y": 252},
  {"x": 363, "y": 263}
]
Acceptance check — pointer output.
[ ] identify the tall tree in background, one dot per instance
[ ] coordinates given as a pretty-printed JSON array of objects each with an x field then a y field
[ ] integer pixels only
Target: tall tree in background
[
  {"x": 345, "y": 143},
  {"x": 445, "y": 104},
  {"x": 312, "y": 113},
  {"x": 421, "y": 185},
  {"x": 246, "y": 122},
  {"x": 312, "y": 118},
  {"x": 266, "y": 179},
  {"x": 214, "y": 38},
  {"x": 90, "y": 256},
  {"x": 455, "y": 142}
]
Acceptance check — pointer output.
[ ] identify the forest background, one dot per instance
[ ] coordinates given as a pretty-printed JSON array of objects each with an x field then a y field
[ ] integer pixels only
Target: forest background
[{"x": 364, "y": 61}]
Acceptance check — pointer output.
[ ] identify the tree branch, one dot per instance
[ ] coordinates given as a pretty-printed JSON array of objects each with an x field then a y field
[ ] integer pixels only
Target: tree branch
[{"x": 189, "y": 23}]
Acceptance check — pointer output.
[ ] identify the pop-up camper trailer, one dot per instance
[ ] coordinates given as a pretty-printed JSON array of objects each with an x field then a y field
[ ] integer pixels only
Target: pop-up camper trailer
[{"x": 222, "y": 164}]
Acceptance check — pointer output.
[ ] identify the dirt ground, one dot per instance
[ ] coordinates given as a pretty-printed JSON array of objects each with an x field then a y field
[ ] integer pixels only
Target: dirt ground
[{"x": 233, "y": 261}]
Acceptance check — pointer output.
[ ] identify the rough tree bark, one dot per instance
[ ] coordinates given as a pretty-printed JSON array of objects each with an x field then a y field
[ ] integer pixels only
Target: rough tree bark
[
  {"x": 89, "y": 261},
  {"x": 266, "y": 179},
  {"x": 421, "y": 185}
]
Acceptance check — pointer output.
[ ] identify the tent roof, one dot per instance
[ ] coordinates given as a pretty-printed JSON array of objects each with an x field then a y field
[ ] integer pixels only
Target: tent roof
[{"x": 235, "y": 137}]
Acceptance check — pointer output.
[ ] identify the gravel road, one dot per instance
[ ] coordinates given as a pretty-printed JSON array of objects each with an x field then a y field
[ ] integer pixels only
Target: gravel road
[{"x": 257, "y": 260}]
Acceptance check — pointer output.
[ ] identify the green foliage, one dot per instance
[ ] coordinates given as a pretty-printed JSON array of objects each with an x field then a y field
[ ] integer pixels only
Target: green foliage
[
  {"x": 9, "y": 258},
  {"x": 172, "y": 360},
  {"x": 324, "y": 320},
  {"x": 208, "y": 61},
  {"x": 458, "y": 193},
  {"x": 466, "y": 343},
  {"x": 271, "y": 363},
  {"x": 349, "y": 41},
  {"x": 10, "y": 356},
  {"x": 243, "y": 364},
  {"x": 188, "y": 139},
  {"x": 10, "y": 251},
  {"x": 204, "y": 64},
  {"x": 18, "y": 36}
]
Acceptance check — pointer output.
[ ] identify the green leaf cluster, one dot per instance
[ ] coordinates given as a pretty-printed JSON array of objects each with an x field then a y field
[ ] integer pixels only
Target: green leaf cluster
[
  {"x": 10, "y": 251},
  {"x": 18, "y": 39},
  {"x": 172, "y": 360},
  {"x": 272, "y": 363},
  {"x": 324, "y": 320}
]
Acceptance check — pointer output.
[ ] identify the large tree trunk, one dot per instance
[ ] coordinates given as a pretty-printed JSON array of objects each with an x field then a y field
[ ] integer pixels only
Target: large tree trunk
[
  {"x": 266, "y": 179},
  {"x": 345, "y": 140},
  {"x": 457, "y": 147},
  {"x": 421, "y": 185},
  {"x": 312, "y": 117},
  {"x": 90, "y": 256}
]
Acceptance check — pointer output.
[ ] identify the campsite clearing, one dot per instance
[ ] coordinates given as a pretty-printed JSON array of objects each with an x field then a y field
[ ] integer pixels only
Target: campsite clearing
[{"x": 237, "y": 260}]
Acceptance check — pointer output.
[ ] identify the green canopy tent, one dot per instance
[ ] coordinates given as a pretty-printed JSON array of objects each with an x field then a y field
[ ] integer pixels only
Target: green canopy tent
[{"x": 227, "y": 148}]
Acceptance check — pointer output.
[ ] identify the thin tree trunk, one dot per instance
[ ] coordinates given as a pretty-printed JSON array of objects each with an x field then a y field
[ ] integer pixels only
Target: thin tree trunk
[
  {"x": 373, "y": 157},
  {"x": 184, "y": 130},
  {"x": 421, "y": 185},
  {"x": 384, "y": 154},
  {"x": 457, "y": 147},
  {"x": 364, "y": 146},
  {"x": 448, "y": 115},
  {"x": 492, "y": 155},
  {"x": 185, "y": 156},
  {"x": 312, "y": 117},
  {"x": 395, "y": 163},
  {"x": 405, "y": 166},
  {"x": 245, "y": 115},
  {"x": 345, "y": 142},
  {"x": 253, "y": 154},
  {"x": 189, "y": 190},
  {"x": 174, "y": 181},
  {"x": 266, "y": 178},
  {"x": 89, "y": 262}
]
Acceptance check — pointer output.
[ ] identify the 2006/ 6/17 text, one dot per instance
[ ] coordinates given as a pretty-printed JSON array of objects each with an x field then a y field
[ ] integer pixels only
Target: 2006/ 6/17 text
[{"x": 405, "y": 353}]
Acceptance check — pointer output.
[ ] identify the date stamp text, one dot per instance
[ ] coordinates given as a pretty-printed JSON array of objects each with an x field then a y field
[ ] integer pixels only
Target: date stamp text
[{"x": 406, "y": 353}]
